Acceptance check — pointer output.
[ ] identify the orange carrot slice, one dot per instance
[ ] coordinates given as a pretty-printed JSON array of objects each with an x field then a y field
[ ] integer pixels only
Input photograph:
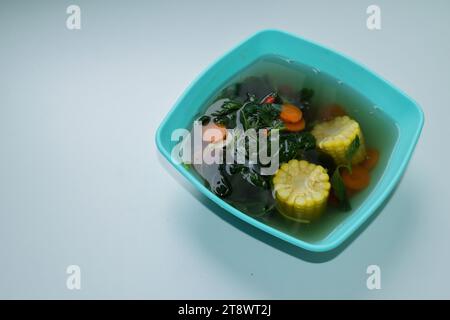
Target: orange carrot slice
[
  {"x": 295, "y": 127},
  {"x": 214, "y": 133},
  {"x": 358, "y": 179},
  {"x": 371, "y": 160},
  {"x": 290, "y": 113}
]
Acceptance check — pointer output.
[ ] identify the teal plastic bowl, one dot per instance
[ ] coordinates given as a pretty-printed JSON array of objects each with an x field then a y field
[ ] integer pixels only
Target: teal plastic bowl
[{"x": 404, "y": 112}]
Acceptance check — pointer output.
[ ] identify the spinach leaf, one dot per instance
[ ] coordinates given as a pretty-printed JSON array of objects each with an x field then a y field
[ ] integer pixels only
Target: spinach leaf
[
  {"x": 292, "y": 144},
  {"x": 227, "y": 108},
  {"x": 255, "y": 179},
  {"x": 339, "y": 189},
  {"x": 258, "y": 116},
  {"x": 277, "y": 124},
  {"x": 252, "y": 115},
  {"x": 249, "y": 174},
  {"x": 288, "y": 150},
  {"x": 243, "y": 120},
  {"x": 226, "y": 115},
  {"x": 306, "y": 141},
  {"x": 336, "y": 180},
  {"x": 268, "y": 114}
]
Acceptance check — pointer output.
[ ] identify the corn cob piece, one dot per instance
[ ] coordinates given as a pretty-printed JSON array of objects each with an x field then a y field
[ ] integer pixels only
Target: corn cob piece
[
  {"x": 335, "y": 137},
  {"x": 301, "y": 190}
]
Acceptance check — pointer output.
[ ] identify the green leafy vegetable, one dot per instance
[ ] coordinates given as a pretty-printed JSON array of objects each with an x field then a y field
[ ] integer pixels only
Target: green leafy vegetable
[
  {"x": 252, "y": 115},
  {"x": 204, "y": 120},
  {"x": 291, "y": 145},
  {"x": 227, "y": 108},
  {"x": 226, "y": 115},
  {"x": 264, "y": 114},
  {"x": 187, "y": 166},
  {"x": 249, "y": 175},
  {"x": 339, "y": 190},
  {"x": 268, "y": 115}
]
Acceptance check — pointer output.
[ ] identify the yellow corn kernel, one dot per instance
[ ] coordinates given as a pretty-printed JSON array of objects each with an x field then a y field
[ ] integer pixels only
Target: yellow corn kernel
[
  {"x": 301, "y": 190},
  {"x": 334, "y": 137}
]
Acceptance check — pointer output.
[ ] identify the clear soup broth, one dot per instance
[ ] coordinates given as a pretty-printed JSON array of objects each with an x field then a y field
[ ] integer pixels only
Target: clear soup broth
[{"x": 286, "y": 78}]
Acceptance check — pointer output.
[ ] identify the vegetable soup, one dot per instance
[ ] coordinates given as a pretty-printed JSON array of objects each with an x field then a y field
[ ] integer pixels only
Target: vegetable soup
[{"x": 332, "y": 146}]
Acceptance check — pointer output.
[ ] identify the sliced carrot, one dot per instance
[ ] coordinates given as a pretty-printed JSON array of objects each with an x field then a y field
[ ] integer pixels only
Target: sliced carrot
[
  {"x": 290, "y": 113},
  {"x": 331, "y": 112},
  {"x": 371, "y": 160},
  {"x": 358, "y": 179},
  {"x": 214, "y": 133},
  {"x": 295, "y": 127}
]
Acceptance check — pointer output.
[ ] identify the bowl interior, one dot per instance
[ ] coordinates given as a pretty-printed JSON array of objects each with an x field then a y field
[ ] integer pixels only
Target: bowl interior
[{"x": 405, "y": 116}]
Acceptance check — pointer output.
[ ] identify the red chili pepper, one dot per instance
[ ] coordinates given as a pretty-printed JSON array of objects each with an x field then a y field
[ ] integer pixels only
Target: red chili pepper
[{"x": 270, "y": 100}]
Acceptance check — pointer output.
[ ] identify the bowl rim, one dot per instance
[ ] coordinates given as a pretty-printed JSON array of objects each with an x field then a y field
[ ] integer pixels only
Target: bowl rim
[{"x": 325, "y": 245}]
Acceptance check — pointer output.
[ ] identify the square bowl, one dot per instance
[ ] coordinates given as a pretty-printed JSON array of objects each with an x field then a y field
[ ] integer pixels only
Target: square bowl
[{"x": 402, "y": 110}]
